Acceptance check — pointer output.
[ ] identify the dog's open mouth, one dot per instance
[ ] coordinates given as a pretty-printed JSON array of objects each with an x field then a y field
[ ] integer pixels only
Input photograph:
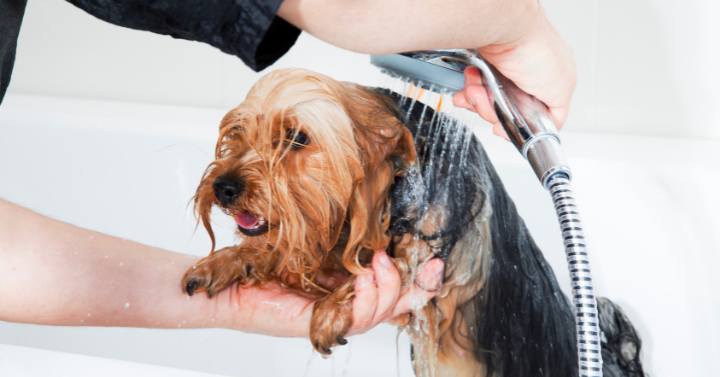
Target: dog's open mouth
[{"x": 250, "y": 224}]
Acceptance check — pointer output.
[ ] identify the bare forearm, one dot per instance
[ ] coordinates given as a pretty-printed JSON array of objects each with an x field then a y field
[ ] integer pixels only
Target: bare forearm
[
  {"x": 56, "y": 273},
  {"x": 383, "y": 26}
]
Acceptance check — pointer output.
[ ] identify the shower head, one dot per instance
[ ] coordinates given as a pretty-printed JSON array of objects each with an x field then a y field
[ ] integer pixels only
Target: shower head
[
  {"x": 524, "y": 118},
  {"x": 429, "y": 70}
]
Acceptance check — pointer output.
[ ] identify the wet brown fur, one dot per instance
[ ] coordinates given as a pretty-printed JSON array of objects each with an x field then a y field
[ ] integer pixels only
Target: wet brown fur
[{"x": 326, "y": 203}]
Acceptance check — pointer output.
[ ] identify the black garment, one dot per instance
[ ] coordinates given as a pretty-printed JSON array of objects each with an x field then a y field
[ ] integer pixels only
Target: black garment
[
  {"x": 248, "y": 29},
  {"x": 11, "y": 13}
]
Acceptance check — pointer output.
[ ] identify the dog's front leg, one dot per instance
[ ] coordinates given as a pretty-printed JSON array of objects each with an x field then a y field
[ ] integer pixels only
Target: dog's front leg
[
  {"x": 222, "y": 268},
  {"x": 332, "y": 318}
]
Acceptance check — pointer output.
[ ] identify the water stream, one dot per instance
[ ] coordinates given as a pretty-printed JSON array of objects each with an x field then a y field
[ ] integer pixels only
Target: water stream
[{"x": 432, "y": 195}]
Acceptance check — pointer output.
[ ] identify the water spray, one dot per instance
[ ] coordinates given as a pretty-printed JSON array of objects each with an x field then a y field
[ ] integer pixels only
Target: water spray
[{"x": 531, "y": 129}]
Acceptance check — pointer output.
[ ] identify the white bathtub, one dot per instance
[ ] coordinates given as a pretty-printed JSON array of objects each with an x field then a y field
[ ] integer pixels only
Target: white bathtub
[{"x": 650, "y": 206}]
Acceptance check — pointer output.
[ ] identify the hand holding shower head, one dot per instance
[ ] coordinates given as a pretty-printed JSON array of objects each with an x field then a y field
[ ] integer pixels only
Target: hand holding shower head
[
  {"x": 531, "y": 129},
  {"x": 525, "y": 119}
]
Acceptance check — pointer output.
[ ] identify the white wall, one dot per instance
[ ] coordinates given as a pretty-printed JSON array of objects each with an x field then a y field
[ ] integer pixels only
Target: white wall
[{"x": 646, "y": 67}]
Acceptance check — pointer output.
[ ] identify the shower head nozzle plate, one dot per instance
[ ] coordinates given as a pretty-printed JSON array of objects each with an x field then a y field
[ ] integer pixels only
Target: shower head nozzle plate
[{"x": 427, "y": 69}]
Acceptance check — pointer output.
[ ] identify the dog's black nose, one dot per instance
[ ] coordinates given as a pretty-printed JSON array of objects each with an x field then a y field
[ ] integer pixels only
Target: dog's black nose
[{"x": 227, "y": 189}]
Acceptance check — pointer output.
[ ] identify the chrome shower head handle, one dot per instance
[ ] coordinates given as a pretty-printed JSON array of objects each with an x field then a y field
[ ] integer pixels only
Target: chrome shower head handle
[{"x": 525, "y": 119}]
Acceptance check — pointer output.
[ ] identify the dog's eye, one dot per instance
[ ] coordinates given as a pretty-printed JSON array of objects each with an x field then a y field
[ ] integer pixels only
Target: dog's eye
[{"x": 296, "y": 139}]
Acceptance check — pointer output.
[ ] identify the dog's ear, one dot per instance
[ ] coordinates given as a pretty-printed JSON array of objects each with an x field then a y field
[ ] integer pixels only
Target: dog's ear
[
  {"x": 380, "y": 135},
  {"x": 386, "y": 149},
  {"x": 404, "y": 154}
]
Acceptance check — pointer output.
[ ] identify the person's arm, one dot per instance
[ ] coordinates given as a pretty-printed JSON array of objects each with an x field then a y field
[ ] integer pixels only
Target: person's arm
[
  {"x": 513, "y": 35},
  {"x": 58, "y": 274},
  {"x": 388, "y": 26}
]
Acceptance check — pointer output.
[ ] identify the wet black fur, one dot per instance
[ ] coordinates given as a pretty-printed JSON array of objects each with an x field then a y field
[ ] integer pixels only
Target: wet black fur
[{"x": 526, "y": 326}]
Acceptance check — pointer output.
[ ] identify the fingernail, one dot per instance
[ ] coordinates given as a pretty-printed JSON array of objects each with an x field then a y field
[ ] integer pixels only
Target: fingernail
[
  {"x": 437, "y": 275},
  {"x": 433, "y": 274}
]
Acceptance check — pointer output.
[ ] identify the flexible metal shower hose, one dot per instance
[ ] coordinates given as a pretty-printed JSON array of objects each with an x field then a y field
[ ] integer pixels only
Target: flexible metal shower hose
[{"x": 587, "y": 327}]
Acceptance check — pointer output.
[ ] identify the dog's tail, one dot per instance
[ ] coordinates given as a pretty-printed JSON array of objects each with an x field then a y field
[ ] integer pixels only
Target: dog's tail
[{"x": 620, "y": 342}]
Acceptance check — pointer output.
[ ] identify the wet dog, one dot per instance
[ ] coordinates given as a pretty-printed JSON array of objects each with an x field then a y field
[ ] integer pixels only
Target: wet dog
[{"x": 317, "y": 174}]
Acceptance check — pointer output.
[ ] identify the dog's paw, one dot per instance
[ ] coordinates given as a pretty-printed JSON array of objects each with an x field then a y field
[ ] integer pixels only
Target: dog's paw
[
  {"x": 331, "y": 319},
  {"x": 216, "y": 272}
]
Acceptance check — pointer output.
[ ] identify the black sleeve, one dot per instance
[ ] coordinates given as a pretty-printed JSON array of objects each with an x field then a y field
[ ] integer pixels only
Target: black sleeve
[
  {"x": 11, "y": 14},
  {"x": 248, "y": 29}
]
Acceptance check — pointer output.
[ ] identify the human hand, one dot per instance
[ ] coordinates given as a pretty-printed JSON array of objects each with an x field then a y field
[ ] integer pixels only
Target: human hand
[
  {"x": 538, "y": 62},
  {"x": 273, "y": 310}
]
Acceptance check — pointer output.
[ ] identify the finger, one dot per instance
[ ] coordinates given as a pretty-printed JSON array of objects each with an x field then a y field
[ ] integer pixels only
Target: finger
[
  {"x": 500, "y": 131},
  {"x": 479, "y": 99},
  {"x": 477, "y": 95},
  {"x": 388, "y": 285},
  {"x": 460, "y": 101},
  {"x": 559, "y": 114},
  {"x": 365, "y": 302},
  {"x": 472, "y": 76},
  {"x": 430, "y": 276},
  {"x": 413, "y": 299}
]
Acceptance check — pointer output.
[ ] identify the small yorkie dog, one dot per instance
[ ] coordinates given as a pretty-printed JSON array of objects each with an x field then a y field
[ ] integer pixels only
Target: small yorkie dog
[
  {"x": 318, "y": 173},
  {"x": 304, "y": 166}
]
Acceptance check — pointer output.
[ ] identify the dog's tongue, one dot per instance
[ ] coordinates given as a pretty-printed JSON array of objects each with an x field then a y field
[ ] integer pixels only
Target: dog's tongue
[{"x": 246, "y": 220}]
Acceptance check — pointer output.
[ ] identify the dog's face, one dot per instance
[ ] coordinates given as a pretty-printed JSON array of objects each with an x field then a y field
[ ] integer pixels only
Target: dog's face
[{"x": 303, "y": 166}]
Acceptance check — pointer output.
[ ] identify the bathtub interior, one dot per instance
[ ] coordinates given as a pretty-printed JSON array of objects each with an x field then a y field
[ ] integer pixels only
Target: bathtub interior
[
  {"x": 20, "y": 361},
  {"x": 650, "y": 208}
]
